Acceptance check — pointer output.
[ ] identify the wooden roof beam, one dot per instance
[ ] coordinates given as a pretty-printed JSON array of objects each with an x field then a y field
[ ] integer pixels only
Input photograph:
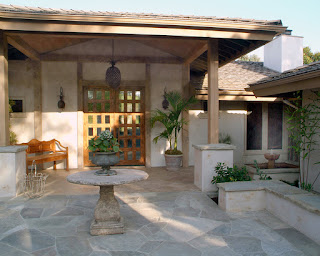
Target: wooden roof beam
[
  {"x": 197, "y": 52},
  {"x": 23, "y": 47}
]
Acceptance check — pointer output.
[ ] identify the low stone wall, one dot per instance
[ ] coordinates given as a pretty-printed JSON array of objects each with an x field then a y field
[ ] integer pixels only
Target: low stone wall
[{"x": 296, "y": 207}]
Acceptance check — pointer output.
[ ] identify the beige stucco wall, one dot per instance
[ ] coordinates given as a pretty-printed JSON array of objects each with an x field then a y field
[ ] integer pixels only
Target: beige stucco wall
[
  {"x": 314, "y": 169},
  {"x": 163, "y": 76},
  {"x": 61, "y": 125},
  {"x": 21, "y": 87}
]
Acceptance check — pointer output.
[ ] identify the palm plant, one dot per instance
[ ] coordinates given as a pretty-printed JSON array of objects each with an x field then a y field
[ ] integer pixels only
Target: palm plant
[{"x": 171, "y": 119}]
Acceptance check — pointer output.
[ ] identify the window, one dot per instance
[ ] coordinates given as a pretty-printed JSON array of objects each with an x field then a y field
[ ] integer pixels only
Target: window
[
  {"x": 16, "y": 105},
  {"x": 254, "y": 126},
  {"x": 264, "y": 126}
]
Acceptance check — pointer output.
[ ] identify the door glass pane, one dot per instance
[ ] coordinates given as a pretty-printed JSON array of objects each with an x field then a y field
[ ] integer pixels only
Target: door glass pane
[
  {"x": 129, "y": 95},
  {"x": 121, "y": 119},
  {"x": 129, "y": 129},
  {"x": 107, "y": 119},
  {"x": 107, "y": 95},
  {"x": 98, "y": 119},
  {"x": 121, "y": 133},
  {"x": 98, "y": 95},
  {"x": 90, "y": 119},
  {"x": 90, "y": 131},
  {"x": 121, "y": 95},
  {"x": 98, "y": 131},
  {"x": 129, "y": 107},
  {"x": 138, "y": 131},
  {"x": 275, "y": 112},
  {"x": 107, "y": 107},
  {"x": 137, "y": 95},
  {"x": 121, "y": 157},
  {"x": 99, "y": 107},
  {"x": 138, "y": 155},
  {"x": 121, "y": 107},
  {"x": 138, "y": 143},
  {"x": 138, "y": 120},
  {"x": 121, "y": 143},
  {"x": 129, "y": 119},
  {"x": 138, "y": 107},
  {"x": 254, "y": 126},
  {"x": 130, "y": 143},
  {"x": 90, "y": 95},
  {"x": 90, "y": 107},
  {"x": 130, "y": 155},
  {"x": 90, "y": 155},
  {"x": 107, "y": 129}
]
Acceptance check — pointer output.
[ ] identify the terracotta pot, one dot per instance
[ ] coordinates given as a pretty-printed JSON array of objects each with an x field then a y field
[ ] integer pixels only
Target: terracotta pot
[
  {"x": 173, "y": 162},
  {"x": 105, "y": 160}
]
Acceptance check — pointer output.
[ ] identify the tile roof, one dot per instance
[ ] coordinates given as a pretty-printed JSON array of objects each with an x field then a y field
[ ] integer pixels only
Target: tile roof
[
  {"x": 315, "y": 66},
  {"x": 51, "y": 11},
  {"x": 238, "y": 74}
]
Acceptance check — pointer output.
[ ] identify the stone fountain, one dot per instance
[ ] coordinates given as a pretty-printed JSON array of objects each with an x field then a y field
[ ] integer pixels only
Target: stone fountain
[{"x": 271, "y": 157}]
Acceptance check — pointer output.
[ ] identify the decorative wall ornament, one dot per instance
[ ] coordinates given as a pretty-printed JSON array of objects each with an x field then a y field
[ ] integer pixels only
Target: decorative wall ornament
[{"x": 61, "y": 103}]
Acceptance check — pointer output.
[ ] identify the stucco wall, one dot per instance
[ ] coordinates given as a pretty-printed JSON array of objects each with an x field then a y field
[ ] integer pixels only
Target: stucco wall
[
  {"x": 162, "y": 76},
  {"x": 21, "y": 87},
  {"x": 314, "y": 169},
  {"x": 57, "y": 124}
]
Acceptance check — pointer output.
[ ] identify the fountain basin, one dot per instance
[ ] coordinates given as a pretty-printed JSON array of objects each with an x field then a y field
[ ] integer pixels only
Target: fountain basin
[{"x": 282, "y": 171}]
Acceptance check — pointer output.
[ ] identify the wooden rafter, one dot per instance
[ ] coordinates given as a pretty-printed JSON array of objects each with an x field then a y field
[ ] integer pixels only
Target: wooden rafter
[
  {"x": 23, "y": 47},
  {"x": 196, "y": 53}
]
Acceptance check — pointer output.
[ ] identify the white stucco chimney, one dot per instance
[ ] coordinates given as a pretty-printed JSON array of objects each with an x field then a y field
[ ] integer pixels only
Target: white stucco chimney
[{"x": 284, "y": 52}]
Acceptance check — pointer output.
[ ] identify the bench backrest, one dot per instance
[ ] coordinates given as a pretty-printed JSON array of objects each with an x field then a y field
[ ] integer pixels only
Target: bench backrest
[{"x": 36, "y": 146}]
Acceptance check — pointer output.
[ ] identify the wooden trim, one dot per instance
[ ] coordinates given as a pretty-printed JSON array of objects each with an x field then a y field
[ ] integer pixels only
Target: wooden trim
[
  {"x": 23, "y": 47},
  {"x": 213, "y": 91},
  {"x": 80, "y": 115},
  {"x": 105, "y": 59},
  {"x": 4, "y": 91},
  {"x": 196, "y": 53},
  {"x": 185, "y": 79},
  {"x": 248, "y": 33},
  {"x": 148, "y": 139},
  {"x": 309, "y": 80},
  {"x": 240, "y": 98}
]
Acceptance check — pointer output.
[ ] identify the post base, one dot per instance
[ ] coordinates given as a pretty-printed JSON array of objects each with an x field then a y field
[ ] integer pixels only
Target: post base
[{"x": 106, "y": 227}]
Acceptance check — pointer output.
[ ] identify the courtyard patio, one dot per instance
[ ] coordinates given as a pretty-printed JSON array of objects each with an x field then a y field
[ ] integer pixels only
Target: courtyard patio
[{"x": 164, "y": 215}]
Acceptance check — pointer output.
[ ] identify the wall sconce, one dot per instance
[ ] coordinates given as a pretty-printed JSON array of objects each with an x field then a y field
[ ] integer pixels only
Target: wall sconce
[
  {"x": 61, "y": 103},
  {"x": 165, "y": 102}
]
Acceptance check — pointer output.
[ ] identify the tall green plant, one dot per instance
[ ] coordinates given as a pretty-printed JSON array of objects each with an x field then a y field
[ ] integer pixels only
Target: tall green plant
[
  {"x": 171, "y": 119},
  {"x": 304, "y": 130}
]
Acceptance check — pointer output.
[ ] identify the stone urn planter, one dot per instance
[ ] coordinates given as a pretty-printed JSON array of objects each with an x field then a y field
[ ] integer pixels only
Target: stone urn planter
[
  {"x": 173, "y": 162},
  {"x": 105, "y": 160}
]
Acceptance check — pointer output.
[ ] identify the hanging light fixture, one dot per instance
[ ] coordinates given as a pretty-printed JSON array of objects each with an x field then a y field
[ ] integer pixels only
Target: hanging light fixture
[{"x": 113, "y": 75}]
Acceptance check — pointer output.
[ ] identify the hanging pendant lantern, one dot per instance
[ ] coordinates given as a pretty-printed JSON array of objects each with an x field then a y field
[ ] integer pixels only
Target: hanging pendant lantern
[{"x": 113, "y": 74}]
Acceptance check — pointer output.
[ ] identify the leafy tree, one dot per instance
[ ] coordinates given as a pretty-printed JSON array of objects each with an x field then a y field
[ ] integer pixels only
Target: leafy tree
[
  {"x": 253, "y": 57},
  {"x": 309, "y": 56}
]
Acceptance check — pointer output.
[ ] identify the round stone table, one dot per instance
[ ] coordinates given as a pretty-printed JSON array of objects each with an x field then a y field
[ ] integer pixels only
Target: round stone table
[{"x": 107, "y": 219}]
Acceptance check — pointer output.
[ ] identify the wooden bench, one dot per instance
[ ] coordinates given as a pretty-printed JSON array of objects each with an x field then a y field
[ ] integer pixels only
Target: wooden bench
[{"x": 46, "y": 151}]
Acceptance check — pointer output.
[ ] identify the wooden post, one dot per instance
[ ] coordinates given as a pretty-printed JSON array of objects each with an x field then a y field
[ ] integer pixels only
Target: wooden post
[
  {"x": 4, "y": 92},
  {"x": 37, "y": 100},
  {"x": 185, "y": 115},
  {"x": 148, "y": 116},
  {"x": 213, "y": 92},
  {"x": 80, "y": 148}
]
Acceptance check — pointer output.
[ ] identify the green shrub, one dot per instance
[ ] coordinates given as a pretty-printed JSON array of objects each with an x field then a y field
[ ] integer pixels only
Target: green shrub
[{"x": 229, "y": 174}]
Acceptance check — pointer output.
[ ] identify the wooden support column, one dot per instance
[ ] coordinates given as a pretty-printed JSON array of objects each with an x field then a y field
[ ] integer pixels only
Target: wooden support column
[
  {"x": 37, "y": 101},
  {"x": 185, "y": 115},
  {"x": 4, "y": 92},
  {"x": 148, "y": 116},
  {"x": 80, "y": 115},
  {"x": 213, "y": 92}
]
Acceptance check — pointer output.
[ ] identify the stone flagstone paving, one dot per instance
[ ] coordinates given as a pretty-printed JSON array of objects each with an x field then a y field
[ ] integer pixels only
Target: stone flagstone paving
[{"x": 157, "y": 224}]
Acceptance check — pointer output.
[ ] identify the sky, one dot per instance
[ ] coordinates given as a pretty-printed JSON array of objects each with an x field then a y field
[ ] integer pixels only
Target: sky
[{"x": 302, "y": 17}]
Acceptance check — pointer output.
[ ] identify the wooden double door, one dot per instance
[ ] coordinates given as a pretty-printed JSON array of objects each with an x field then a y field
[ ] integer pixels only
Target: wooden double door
[{"x": 121, "y": 112}]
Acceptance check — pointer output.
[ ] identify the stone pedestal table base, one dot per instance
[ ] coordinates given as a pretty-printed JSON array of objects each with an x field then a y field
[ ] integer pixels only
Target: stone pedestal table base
[{"x": 107, "y": 219}]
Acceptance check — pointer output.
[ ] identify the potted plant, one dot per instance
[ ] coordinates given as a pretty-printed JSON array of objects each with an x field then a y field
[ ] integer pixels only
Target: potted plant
[
  {"x": 105, "y": 148},
  {"x": 173, "y": 123}
]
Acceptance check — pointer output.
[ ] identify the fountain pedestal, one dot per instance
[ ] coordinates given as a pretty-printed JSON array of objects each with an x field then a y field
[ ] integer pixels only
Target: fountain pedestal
[
  {"x": 107, "y": 219},
  {"x": 271, "y": 159}
]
